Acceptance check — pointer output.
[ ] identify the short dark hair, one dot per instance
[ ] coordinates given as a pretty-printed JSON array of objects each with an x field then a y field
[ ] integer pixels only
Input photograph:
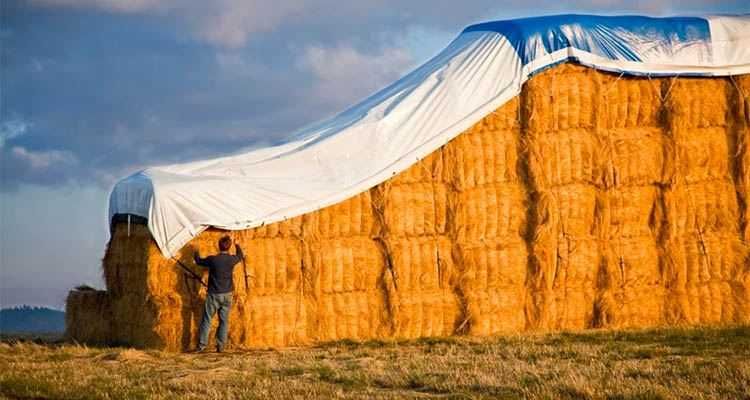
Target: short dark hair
[{"x": 224, "y": 243}]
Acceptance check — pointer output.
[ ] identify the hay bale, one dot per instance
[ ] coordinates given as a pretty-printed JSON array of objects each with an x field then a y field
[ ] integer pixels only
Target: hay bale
[
  {"x": 631, "y": 284},
  {"x": 564, "y": 282},
  {"x": 709, "y": 206},
  {"x": 287, "y": 228},
  {"x": 628, "y": 102},
  {"x": 487, "y": 153},
  {"x": 697, "y": 103},
  {"x": 568, "y": 210},
  {"x": 422, "y": 297},
  {"x": 351, "y": 217},
  {"x": 346, "y": 275},
  {"x": 564, "y": 158},
  {"x": 428, "y": 169},
  {"x": 489, "y": 211},
  {"x": 631, "y": 157},
  {"x": 559, "y": 99},
  {"x": 492, "y": 276},
  {"x": 628, "y": 212},
  {"x": 87, "y": 314},
  {"x": 413, "y": 209}
]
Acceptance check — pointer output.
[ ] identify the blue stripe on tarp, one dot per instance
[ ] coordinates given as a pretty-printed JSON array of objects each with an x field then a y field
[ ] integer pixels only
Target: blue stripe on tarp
[{"x": 616, "y": 37}]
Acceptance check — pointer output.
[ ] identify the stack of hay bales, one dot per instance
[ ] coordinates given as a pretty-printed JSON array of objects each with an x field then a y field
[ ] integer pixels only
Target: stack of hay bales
[
  {"x": 135, "y": 282},
  {"x": 629, "y": 220},
  {"x": 742, "y": 173},
  {"x": 564, "y": 167},
  {"x": 590, "y": 200},
  {"x": 704, "y": 248},
  {"x": 344, "y": 268},
  {"x": 412, "y": 208},
  {"x": 488, "y": 206},
  {"x": 273, "y": 306}
]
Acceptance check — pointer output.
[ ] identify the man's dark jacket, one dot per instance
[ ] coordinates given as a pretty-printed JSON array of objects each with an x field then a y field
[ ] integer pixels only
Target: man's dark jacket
[{"x": 220, "y": 268}]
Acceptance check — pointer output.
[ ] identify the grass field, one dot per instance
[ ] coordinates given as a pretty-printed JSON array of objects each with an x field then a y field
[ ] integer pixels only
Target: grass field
[{"x": 650, "y": 364}]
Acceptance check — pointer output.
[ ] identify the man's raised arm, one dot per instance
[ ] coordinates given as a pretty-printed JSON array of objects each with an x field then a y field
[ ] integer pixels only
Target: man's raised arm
[{"x": 200, "y": 261}]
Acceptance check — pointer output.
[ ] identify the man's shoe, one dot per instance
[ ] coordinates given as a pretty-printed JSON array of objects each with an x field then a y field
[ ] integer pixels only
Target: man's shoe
[
  {"x": 200, "y": 349},
  {"x": 219, "y": 349}
]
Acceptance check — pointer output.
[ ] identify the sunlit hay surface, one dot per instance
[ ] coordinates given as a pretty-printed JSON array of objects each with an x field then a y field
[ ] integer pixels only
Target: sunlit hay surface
[
  {"x": 705, "y": 363},
  {"x": 592, "y": 200}
]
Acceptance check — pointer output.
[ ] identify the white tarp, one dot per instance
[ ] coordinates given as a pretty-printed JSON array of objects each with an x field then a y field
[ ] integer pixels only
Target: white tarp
[{"x": 479, "y": 71}]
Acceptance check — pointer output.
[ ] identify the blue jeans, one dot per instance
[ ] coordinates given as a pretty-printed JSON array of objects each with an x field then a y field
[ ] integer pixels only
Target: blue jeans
[{"x": 221, "y": 302}]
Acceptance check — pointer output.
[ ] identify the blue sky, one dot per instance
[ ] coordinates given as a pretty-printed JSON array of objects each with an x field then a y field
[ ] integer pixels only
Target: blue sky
[{"x": 92, "y": 90}]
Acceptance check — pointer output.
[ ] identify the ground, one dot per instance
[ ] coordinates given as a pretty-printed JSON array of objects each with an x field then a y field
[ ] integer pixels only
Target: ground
[{"x": 646, "y": 364}]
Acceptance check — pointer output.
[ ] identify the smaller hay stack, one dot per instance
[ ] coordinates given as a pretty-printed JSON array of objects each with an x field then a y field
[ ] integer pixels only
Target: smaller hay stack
[{"x": 87, "y": 314}]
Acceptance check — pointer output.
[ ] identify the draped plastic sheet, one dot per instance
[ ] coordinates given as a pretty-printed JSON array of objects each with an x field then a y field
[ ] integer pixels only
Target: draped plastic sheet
[{"x": 479, "y": 71}]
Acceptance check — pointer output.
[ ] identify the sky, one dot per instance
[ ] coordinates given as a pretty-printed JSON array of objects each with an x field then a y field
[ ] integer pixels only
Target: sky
[{"x": 94, "y": 90}]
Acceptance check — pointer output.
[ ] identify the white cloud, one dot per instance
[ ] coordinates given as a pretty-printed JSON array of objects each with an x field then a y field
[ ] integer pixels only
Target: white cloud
[
  {"x": 43, "y": 159},
  {"x": 344, "y": 74},
  {"x": 11, "y": 129}
]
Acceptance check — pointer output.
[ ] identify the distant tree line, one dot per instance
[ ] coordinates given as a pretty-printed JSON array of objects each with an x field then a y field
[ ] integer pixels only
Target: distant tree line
[{"x": 27, "y": 319}]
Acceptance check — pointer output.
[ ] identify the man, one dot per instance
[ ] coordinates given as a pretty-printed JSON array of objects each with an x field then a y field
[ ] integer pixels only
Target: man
[{"x": 220, "y": 287}]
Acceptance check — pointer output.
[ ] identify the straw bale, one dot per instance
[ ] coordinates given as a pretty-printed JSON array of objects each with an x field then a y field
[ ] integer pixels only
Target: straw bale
[
  {"x": 422, "y": 298},
  {"x": 344, "y": 264},
  {"x": 559, "y": 99},
  {"x": 350, "y": 217},
  {"x": 709, "y": 206},
  {"x": 492, "y": 264},
  {"x": 507, "y": 117},
  {"x": 482, "y": 157},
  {"x": 706, "y": 278},
  {"x": 351, "y": 315},
  {"x": 487, "y": 152},
  {"x": 421, "y": 264},
  {"x": 630, "y": 284},
  {"x": 291, "y": 227},
  {"x": 427, "y": 313},
  {"x": 413, "y": 209},
  {"x": 87, "y": 316},
  {"x": 697, "y": 103},
  {"x": 126, "y": 260},
  {"x": 564, "y": 157},
  {"x": 569, "y": 210},
  {"x": 628, "y": 211},
  {"x": 274, "y": 266},
  {"x": 489, "y": 211},
  {"x": 427, "y": 169},
  {"x": 700, "y": 155},
  {"x": 631, "y": 156},
  {"x": 563, "y": 282},
  {"x": 275, "y": 320},
  {"x": 493, "y": 283},
  {"x": 628, "y": 102}
]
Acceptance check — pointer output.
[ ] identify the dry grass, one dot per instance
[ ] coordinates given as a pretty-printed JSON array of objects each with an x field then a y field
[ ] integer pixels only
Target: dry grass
[{"x": 645, "y": 364}]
